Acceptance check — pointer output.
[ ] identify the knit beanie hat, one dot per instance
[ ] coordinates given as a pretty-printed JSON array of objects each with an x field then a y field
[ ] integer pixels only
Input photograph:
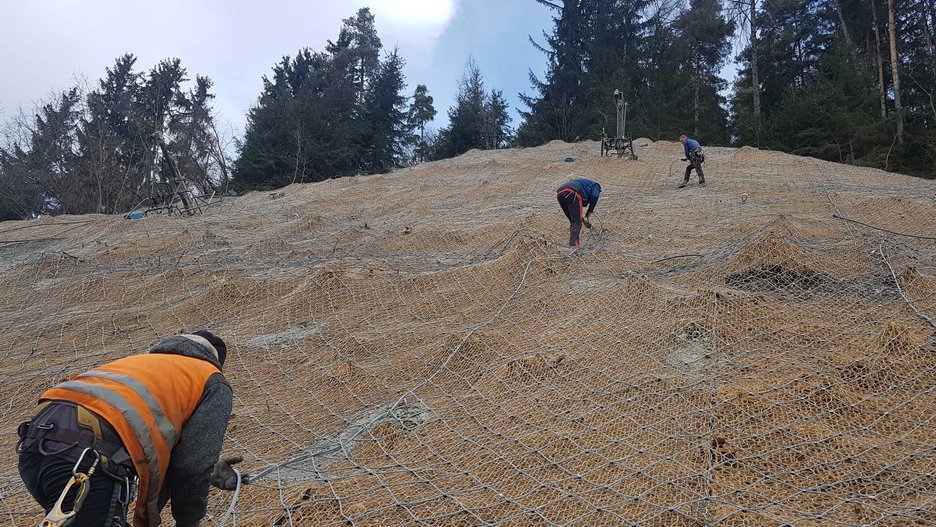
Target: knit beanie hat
[{"x": 214, "y": 341}]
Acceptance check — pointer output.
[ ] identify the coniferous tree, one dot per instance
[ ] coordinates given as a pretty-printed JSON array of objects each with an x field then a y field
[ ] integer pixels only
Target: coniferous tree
[
  {"x": 595, "y": 49},
  {"x": 386, "y": 117},
  {"x": 704, "y": 37},
  {"x": 192, "y": 136},
  {"x": 286, "y": 130},
  {"x": 314, "y": 119},
  {"x": 554, "y": 113},
  {"x": 421, "y": 111},
  {"x": 833, "y": 115},
  {"x": 496, "y": 132},
  {"x": 617, "y": 41},
  {"x": 359, "y": 42},
  {"x": 466, "y": 117},
  {"x": 159, "y": 108},
  {"x": 113, "y": 142},
  {"x": 666, "y": 73},
  {"x": 39, "y": 176},
  {"x": 477, "y": 120}
]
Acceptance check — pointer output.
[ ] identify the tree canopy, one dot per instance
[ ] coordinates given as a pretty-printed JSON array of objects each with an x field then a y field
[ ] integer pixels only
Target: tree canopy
[{"x": 851, "y": 81}]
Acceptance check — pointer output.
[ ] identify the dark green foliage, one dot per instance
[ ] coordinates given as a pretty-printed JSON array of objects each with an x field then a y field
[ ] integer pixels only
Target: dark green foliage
[
  {"x": 820, "y": 91},
  {"x": 328, "y": 114},
  {"x": 421, "y": 111},
  {"x": 295, "y": 132},
  {"x": 703, "y": 43},
  {"x": 664, "y": 65},
  {"x": 834, "y": 116},
  {"x": 554, "y": 110},
  {"x": 477, "y": 120},
  {"x": 386, "y": 117}
]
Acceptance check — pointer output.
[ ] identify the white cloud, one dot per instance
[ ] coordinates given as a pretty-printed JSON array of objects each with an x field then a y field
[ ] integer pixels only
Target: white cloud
[
  {"x": 413, "y": 26},
  {"x": 415, "y": 13}
]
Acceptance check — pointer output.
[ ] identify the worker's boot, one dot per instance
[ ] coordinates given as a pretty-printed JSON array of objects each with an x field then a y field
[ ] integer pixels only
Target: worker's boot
[
  {"x": 684, "y": 183},
  {"x": 701, "y": 182}
]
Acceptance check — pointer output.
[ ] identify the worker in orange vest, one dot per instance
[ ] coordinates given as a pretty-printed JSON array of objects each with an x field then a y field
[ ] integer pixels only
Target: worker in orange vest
[{"x": 157, "y": 419}]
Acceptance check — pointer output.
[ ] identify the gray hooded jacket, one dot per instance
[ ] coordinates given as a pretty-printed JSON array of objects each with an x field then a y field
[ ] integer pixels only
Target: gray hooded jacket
[{"x": 200, "y": 441}]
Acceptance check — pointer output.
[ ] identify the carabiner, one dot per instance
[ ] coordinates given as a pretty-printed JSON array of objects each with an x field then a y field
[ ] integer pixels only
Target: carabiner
[
  {"x": 97, "y": 458},
  {"x": 59, "y": 518}
]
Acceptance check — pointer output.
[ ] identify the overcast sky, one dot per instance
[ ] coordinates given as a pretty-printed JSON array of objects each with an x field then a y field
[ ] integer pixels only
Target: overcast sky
[{"x": 45, "y": 45}]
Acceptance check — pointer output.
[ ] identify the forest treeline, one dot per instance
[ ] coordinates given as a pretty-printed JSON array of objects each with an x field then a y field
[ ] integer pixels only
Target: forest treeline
[{"x": 850, "y": 81}]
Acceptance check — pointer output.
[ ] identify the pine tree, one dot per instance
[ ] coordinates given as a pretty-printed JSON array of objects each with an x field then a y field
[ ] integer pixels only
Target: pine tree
[
  {"x": 466, "y": 118},
  {"x": 159, "y": 99},
  {"x": 40, "y": 177},
  {"x": 704, "y": 36},
  {"x": 554, "y": 112},
  {"x": 421, "y": 112},
  {"x": 496, "y": 132},
  {"x": 284, "y": 141},
  {"x": 596, "y": 48},
  {"x": 192, "y": 136},
  {"x": 386, "y": 117},
  {"x": 113, "y": 147},
  {"x": 359, "y": 41},
  {"x": 833, "y": 116},
  {"x": 665, "y": 58}
]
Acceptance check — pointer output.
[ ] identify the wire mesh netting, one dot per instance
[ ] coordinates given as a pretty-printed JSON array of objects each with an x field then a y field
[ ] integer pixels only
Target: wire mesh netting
[{"x": 419, "y": 348}]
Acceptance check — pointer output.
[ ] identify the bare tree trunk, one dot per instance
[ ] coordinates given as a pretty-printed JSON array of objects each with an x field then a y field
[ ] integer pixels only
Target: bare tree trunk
[
  {"x": 754, "y": 77},
  {"x": 895, "y": 70},
  {"x": 220, "y": 157},
  {"x": 848, "y": 40},
  {"x": 181, "y": 186},
  {"x": 880, "y": 61},
  {"x": 695, "y": 117},
  {"x": 927, "y": 15}
]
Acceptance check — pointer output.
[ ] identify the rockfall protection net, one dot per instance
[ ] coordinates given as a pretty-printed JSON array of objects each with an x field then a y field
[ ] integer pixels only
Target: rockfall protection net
[{"x": 419, "y": 348}]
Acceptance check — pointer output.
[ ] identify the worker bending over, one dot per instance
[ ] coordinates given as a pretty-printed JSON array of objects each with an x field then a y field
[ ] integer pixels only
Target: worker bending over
[
  {"x": 157, "y": 418},
  {"x": 573, "y": 197}
]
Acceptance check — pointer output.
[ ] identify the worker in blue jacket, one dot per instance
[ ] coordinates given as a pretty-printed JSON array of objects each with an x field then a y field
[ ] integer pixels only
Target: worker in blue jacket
[
  {"x": 573, "y": 197},
  {"x": 693, "y": 152}
]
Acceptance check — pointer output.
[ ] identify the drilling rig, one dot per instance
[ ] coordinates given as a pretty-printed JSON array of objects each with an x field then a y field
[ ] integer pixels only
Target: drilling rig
[{"x": 622, "y": 143}]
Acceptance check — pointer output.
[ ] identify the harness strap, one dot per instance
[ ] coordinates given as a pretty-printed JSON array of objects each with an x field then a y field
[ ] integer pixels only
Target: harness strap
[
  {"x": 88, "y": 433},
  {"x": 119, "y": 503}
]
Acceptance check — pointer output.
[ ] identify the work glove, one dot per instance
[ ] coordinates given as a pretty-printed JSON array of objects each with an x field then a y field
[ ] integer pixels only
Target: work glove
[
  {"x": 684, "y": 159},
  {"x": 586, "y": 223},
  {"x": 223, "y": 475}
]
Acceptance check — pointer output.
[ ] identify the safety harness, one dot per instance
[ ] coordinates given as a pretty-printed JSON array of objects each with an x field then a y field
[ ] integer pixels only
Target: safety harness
[
  {"x": 77, "y": 429},
  {"x": 697, "y": 154}
]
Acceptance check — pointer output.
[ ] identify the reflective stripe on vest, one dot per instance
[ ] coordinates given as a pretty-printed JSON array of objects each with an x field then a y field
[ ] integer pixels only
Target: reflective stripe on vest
[
  {"x": 139, "y": 428},
  {"x": 168, "y": 431}
]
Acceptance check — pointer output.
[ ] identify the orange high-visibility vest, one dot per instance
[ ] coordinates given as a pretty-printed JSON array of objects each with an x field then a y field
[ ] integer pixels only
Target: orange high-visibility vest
[{"x": 147, "y": 399}]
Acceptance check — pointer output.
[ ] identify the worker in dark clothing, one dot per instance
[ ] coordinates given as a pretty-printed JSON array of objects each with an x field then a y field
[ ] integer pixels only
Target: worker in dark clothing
[
  {"x": 573, "y": 197},
  {"x": 156, "y": 418},
  {"x": 693, "y": 153}
]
